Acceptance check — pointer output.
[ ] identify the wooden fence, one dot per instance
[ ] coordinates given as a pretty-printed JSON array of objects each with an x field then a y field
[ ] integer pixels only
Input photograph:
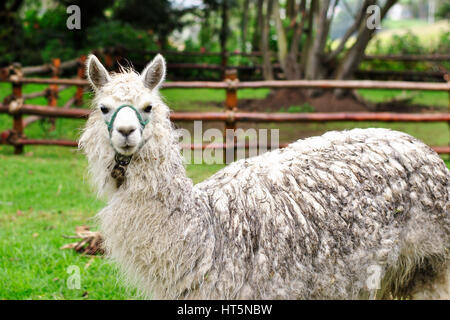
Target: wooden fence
[
  {"x": 112, "y": 55},
  {"x": 14, "y": 105},
  {"x": 437, "y": 74}
]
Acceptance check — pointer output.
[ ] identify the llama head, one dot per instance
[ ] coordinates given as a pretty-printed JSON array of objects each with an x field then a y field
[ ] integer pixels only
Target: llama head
[
  {"x": 129, "y": 117},
  {"x": 128, "y": 103}
]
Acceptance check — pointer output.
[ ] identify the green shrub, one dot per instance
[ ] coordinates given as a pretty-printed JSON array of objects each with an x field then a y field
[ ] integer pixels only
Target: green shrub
[
  {"x": 113, "y": 33},
  {"x": 406, "y": 44}
]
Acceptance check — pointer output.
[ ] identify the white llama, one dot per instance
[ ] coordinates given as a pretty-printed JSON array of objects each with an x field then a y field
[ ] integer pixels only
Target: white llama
[{"x": 347, "y": 215}]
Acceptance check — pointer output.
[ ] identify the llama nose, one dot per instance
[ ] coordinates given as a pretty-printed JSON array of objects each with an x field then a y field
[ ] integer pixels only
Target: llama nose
[{"x": 126, "y": 131}]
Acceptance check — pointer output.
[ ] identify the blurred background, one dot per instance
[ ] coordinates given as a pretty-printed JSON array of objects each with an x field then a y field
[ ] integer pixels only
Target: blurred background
[
  {"x": 33, "y": 32},
  {"x": 44, "y": 190}
]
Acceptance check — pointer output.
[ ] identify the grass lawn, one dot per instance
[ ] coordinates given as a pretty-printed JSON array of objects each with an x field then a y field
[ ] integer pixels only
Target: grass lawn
[
  {"x": 45, "y": 194},
  {"x": 427, "y": 98}
]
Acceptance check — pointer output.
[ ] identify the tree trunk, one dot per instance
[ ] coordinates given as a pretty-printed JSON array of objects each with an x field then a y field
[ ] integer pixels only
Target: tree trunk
[
  {"x": 290, "y": 9},
  {"x": 309, "y": 39},
  {"x": 292, "y": 69},
  {"x": 205, "y": 31},
  {"x": 267, "y": 64},
  {"x": 244, "y": 25},
  {"x": 224, "y": 36},
  {"x": 281, "y": 37},
  {"x": 259, "y": 25},
  {"x": 315, "y": 68},
  {"x": 317, "y": 61},
  {"x": 354, "y": 55}
]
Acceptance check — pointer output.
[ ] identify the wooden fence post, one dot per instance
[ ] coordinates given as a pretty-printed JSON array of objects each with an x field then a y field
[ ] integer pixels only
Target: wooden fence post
[
  {"x": 52, "y": 98},
  {"x": 109, "y": 60},
  {"x": 15, "y": 106},
  {"x": 118, "y": 54},
  {"x": 231, "y": 79},
  {"x": 80, "y": 75},
  {"x": 224, "y": 63},
  {"x": 447, "y": 78}
]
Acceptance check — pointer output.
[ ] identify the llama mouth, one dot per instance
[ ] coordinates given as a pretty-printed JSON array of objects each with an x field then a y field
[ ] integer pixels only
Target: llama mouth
[{"x": 127, "y": 149}]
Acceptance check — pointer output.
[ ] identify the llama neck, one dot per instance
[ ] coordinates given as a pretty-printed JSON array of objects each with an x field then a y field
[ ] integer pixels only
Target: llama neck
[
  {"x": 160, "y": 177},
  {"x": 155, "y": 224}
]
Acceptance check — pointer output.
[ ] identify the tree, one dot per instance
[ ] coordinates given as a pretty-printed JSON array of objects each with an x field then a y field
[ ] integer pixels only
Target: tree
[
  {"x": 443, "y": 10},
  {"x": 259, "y": 22},
  {"x": 159, "y": 16},
  {"x": 306, "y": 29},
  {"x": 267, "y": 66},
  {"x": 9, "y": 10},
  {"x": 10, "y": 29},
  {"x": 244, "y": 23},
  {"x": 224, "y": 31},
  {"x": 349, "y": 64},
  {"x": 91, "y": 13}
]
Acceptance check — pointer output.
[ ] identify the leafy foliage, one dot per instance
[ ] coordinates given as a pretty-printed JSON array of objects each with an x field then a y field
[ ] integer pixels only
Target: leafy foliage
[
  {"x": 158, "y": 16},
  {"x": 112, "y": 33},
  {"x": 405, "y": 44}
]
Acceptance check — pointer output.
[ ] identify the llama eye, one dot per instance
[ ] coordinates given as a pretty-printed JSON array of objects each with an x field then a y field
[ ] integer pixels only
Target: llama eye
[
  {"x": 148, "y": 108},
  {"x": 104, "y": 109}
]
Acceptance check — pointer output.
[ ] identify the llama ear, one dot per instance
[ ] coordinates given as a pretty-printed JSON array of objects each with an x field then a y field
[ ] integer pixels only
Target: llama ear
[
  {"x": 155, "y": 72},
  {"x": 97, "y": 75}
]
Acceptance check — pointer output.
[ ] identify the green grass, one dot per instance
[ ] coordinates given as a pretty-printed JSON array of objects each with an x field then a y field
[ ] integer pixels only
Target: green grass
[
  {"x": 429, "y": 98},
  {"x": 176, "y": 99},
  {"x": 45, "y": 194},
  {"x": 205, "y": 99},
  {"x": 306, "y": 107},
  {"x": 213, "y": 99},
  {"x": 43, "y": 197}
]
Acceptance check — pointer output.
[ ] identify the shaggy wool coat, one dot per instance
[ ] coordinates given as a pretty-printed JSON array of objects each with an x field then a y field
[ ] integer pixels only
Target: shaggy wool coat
[{"x": 351, "y": 214}]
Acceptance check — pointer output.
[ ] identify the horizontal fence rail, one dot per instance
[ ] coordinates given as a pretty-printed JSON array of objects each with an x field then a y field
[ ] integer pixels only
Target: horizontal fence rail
[
  {"x": 78, "y": 113},
  {"x": 346, "y": 84},
  {"x": 228, "y": 116},
  {"x": 404, "y": 74},
  {"x": 46, "y": 68},
  {"x": 409, "y": 57},
  {"x": 111, "y": 54},
  {"x": 393, "y": 57},
  {"x": 14, "y": 104},
  {"x": 321, "y": 84}
]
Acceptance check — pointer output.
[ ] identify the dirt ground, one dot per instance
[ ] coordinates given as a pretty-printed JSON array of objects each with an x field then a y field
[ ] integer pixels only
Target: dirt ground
[{"x": 283, "y": 98}]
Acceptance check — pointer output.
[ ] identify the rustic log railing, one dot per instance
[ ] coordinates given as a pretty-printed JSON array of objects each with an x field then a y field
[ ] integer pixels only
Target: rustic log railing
[
  {"x": 389, "y": 74},
  {"x": 15, "y": 74},
  {"x": 390, "y": 57},
  {"x": 323, "y": 84},
  {"x": 236, "y": 116},
  {"x": 230, "y": 117},
  {"x": 402, "y": 74},
  {"x": 112, "y": 54},
  {"x": 16, "y": 107}
]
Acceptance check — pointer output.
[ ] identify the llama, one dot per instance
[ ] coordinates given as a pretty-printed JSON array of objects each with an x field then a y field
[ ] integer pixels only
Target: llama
[{"x": 356, "y": 214}]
